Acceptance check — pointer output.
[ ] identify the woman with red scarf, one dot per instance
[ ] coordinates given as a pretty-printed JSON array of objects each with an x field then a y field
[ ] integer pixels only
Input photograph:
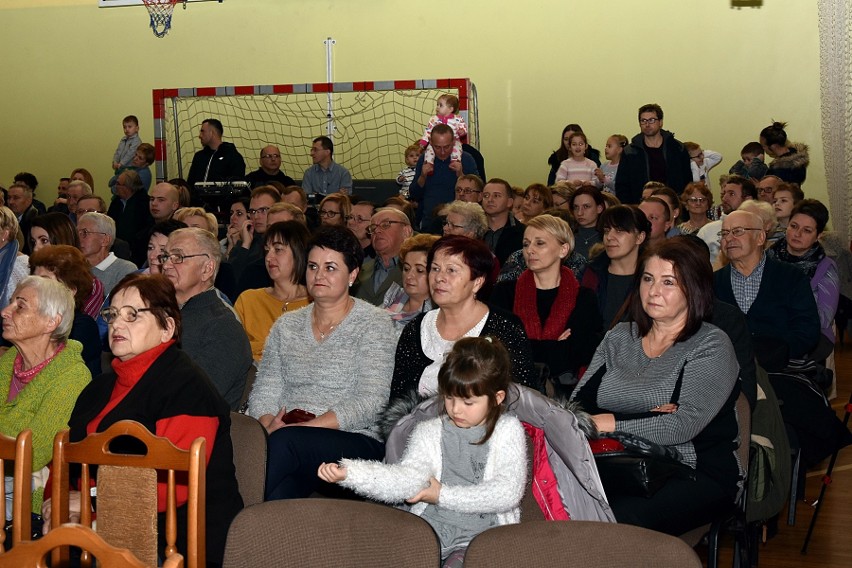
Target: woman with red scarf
[{"x": 561, "y": 318}]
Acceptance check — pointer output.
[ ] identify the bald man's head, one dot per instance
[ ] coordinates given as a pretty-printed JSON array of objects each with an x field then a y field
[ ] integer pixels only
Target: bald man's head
[{"x": 164, "y": 200}]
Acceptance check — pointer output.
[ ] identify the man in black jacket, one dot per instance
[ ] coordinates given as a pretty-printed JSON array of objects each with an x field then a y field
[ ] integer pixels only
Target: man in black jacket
[
  {"x": 653, "y": 155},
  {"x": 217, "y": 160}
]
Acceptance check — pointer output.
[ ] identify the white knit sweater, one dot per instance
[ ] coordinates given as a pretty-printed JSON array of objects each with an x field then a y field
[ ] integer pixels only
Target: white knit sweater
[{"x": 500, "y": 492}]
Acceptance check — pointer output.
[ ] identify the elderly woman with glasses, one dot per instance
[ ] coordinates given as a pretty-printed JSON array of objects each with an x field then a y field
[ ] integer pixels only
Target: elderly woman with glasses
[
  {"x": 155, "y": 383},
  {"x": 334, "y": 209},
  {"x": 325, "y": 373},
  {"x": 697, "y": 201},
  {"x": 42, "y": 374}
]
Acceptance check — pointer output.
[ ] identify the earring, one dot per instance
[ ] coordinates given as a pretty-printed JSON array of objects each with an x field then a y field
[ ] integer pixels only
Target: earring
[{"x": 351, "y": 282}]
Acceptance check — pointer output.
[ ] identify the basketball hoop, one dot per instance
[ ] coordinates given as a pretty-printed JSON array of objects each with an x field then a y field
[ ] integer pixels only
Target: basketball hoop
[{"x": 161, "y": 15}]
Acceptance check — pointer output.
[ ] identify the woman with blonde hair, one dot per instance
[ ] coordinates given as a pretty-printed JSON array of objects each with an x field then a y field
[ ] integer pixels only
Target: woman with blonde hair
[
  {"x": 197, "y": 217},
  {"x": 334, "y": 209},
  {"x": 561, "y": 319},
  {"x": 413, "y": 298}
]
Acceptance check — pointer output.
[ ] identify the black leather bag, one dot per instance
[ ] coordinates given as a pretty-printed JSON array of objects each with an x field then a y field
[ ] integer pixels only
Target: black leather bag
[{"x": 637, "y": 467}]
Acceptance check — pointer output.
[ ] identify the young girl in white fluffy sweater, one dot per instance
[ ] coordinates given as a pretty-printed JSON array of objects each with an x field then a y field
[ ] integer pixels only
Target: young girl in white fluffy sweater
[{"x": 464, "y": 471}]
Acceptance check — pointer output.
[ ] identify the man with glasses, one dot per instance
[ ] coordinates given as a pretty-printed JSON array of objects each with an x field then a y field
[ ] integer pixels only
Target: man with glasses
[
  {"x": 469, "y": 188},
  {"x": 96, "y": 232},
  {"x": 211, "y": 333},
  {"x": 435, "y": 184},
  {"x": 388, "y": 228},
  {"x": 76, "y": 190},
  {"x": 270, "y": 169},
  {"x": 736, "y": 190},
  {"x": 358, "y": 221},
  {"x": 249, "y": 249},
  {"x": 653, "y": 155},
  {"x": 326, "y": 176},
  {"x": 766, "y": 188},
  {"x": 775, "y": 296}
]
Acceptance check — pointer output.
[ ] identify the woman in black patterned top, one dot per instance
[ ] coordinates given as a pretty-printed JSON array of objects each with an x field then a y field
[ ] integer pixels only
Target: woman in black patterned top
[
  {"x": 458, "y": 270},
  {"x": 670, "y": 377}
]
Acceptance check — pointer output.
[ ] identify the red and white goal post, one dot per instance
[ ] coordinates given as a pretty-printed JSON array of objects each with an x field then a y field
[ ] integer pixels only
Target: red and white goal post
[{"x": 370, "y": 122}]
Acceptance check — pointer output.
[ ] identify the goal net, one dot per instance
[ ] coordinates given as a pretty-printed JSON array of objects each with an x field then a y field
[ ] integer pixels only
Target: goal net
[{"x": 371, "y": 123}]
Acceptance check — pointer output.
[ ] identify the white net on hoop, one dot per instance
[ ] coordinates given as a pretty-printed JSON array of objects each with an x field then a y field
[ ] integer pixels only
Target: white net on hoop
[
  {"x": 371, "y": 128},
  {"x": 161, "y": 15}
]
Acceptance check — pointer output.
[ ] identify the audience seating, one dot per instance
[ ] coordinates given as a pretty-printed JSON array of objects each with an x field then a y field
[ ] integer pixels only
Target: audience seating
[
  {"x": 161, "y": 455},
  {"x": 248, "y": 437},
  {"x": 585, "y": 544},
  {"x": 317, "y": 533},
  {"x": 34, "y": 553},
  {"x": 20, "y": 450}
]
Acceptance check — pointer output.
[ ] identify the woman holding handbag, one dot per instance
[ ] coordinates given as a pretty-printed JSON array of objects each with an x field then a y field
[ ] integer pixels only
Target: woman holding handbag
[{"x": 670, "y": 377}]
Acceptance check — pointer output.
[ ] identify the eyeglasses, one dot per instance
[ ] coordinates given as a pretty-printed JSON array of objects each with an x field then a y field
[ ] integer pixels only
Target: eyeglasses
[
  {"x": 127, "y": 313},
  {"x": 696, "y": 199},
  {"x": 467, "y": 191},
  {"x": 736, "y": 231},
  {"x": 81, "y": 211},
  {"x": 178, "y": 258},
  {"x": 258, "y": 211},
  {"x": 266, "y": 156},
  {"x": 83, "y": 233},
  {"x": 765, "y": 190},
  {"x": 357, "y": 219},
  {"x": 454, "y": 226},
  {"x": 384, "y": 226},
  {"x": 648, "y": 120},
  {"x": 328, "y": 213}
]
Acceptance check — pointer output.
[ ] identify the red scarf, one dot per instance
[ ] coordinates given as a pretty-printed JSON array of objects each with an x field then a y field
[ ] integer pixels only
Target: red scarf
[{"x": 526, "y": 306}]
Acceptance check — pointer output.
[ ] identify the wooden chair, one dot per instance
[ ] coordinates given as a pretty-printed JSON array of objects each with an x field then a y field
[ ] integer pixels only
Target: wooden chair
[
  {"x": 35, "y": 553},
  {"x": 161, "y": 455},
  {"x": 586, "y": 544},
  {"x": 20, "y": 450}
]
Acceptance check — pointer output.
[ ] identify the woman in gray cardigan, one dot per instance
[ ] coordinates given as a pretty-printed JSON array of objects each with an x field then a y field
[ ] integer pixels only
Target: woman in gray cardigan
[{"x": 332, "y": 359}]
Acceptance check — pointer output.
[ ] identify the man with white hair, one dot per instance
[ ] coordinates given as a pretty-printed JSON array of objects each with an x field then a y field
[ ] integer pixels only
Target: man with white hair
[
  {"x": 388, "y": 228},
  {"x": 212, "y": 335},
  {"x": 775, "y": 296},
  {"x": 97, "y": 233},
  {"x": 76, "y": 189}
]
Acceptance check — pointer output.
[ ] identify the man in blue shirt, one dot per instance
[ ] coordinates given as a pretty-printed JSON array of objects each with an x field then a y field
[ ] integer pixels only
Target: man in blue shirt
[
  {"x": 435, "y": 185},
  {"x": 326, "y": 176}
]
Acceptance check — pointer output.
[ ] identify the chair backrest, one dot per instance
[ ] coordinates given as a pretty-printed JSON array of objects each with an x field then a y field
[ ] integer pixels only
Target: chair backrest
[
  {"x": 248, "y": 437},
  {"x": 160, "y": 455},
  {"x": 35, "y": 553},
  {"x": 586, "y": 544},
  {"x": 317, "y": 533},
  {"x": 20, "y": 450}
]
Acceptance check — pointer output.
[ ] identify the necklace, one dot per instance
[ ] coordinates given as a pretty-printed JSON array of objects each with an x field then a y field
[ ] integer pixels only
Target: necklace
[{"x": 332, "y": 327}]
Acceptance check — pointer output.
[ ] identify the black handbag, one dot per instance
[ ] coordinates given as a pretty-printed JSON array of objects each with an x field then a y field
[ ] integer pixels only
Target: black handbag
[{"x": 631, "y": 465}]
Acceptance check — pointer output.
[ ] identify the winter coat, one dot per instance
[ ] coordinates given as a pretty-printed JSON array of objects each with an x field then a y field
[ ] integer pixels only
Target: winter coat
[{"x": 568, "y": 452}]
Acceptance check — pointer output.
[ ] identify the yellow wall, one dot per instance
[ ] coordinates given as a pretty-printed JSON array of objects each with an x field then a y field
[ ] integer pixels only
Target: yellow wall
[{"x": 70, "y": 70}]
